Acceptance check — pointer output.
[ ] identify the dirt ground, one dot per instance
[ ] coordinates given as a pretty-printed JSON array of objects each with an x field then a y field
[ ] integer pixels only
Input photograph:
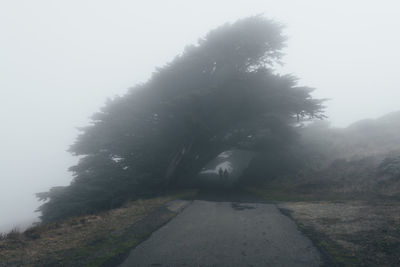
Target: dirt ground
[{"x": 351, "y": 233}]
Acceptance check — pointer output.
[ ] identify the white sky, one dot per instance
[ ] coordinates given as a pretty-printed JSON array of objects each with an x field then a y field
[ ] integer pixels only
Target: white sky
[{"x": 60, "y": 60}]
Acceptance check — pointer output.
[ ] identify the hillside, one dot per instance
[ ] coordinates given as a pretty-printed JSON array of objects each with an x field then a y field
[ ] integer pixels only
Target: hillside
[
  {"x": 365, "y": 138},
  {"x": 362, "y": 160}
]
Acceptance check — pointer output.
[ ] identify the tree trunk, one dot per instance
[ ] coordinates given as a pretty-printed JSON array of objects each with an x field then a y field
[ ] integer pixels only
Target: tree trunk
[{"x": 176, "y": 160}]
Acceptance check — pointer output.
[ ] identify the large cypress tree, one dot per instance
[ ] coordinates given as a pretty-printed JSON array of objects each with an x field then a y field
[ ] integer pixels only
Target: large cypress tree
[{"x": 219, "y": 94}]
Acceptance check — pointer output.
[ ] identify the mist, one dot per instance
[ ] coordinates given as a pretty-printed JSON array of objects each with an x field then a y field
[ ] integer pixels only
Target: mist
[{"x": 60, "y": 61}]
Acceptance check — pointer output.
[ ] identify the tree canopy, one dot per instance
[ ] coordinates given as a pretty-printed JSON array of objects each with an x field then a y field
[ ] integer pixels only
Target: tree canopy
[{"x": 219, "y": 94}]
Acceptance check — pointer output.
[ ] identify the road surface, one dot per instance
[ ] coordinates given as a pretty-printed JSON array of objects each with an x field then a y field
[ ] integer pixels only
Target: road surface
[{"x": 210, "y": 233}]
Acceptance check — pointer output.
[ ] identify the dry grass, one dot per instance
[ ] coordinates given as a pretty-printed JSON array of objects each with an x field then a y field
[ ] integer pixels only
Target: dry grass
[
  {"x": 14, "y": 234},
  {"x": 354, "y": 232},
  {"x": 54, "y": 242}
]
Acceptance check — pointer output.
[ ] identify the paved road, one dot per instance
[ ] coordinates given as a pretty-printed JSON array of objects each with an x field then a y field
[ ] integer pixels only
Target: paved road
[{"x": 208, "y": 233}]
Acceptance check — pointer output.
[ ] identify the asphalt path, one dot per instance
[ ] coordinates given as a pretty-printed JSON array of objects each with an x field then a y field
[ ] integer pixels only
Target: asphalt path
[{"x": 214, "y": 233}]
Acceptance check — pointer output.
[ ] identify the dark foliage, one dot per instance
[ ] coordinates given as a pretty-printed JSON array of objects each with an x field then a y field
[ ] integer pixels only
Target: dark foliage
[
  {"x": 219, "y": 94},
  {"x": 390, "y": 165}
]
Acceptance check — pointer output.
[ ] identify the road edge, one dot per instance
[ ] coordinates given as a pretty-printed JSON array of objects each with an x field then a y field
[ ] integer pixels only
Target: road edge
[
  {"x": 142, "y": 230},
  {"x": 316, "y": 238}
]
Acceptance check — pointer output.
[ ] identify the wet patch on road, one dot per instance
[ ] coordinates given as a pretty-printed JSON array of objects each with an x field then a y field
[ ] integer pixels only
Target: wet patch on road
[{"x": 241, "y": 206}]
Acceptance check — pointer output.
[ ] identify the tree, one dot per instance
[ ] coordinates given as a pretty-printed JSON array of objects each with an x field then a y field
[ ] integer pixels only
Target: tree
[{"x": 219, "y": 94}]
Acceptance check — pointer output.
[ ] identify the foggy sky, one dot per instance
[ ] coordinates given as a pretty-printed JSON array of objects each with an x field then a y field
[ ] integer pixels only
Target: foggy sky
[{"x": 60, "y": 60}]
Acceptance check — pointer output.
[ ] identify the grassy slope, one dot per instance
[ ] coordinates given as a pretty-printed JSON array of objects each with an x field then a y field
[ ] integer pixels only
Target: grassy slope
[{"x": 92, "y": 240}]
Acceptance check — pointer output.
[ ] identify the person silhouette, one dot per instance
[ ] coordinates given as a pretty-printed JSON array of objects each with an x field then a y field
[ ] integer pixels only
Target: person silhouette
[
  {"x": 220, "y": 173},
  {"x": 226, "y": 174}
]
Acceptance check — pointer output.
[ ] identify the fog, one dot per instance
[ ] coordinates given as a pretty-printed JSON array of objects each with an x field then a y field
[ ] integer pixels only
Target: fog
[{"x": 61, "y": 60}]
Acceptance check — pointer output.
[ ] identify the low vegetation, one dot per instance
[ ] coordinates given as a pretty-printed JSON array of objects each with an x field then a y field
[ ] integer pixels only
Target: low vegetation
[
  {"x": 351, "y": 233},
  {"x": 89, "y": 240},
  {"x": 351, "y": 228}
]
